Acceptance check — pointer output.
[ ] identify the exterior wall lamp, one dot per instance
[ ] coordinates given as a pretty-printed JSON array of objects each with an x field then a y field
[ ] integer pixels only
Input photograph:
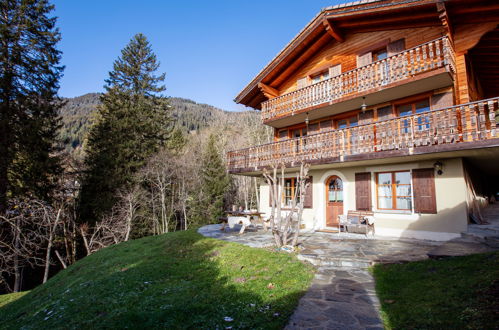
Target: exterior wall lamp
[
  {"x": 306, "y": 120},
  {"x": 439, "y": 167},
  {"x": 363, "y": 107}
]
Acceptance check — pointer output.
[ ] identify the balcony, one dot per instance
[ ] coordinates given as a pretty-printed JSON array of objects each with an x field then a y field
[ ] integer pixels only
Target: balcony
[
  {"x": 464, "y": 126},
  {"x": 426, "y": 60}
]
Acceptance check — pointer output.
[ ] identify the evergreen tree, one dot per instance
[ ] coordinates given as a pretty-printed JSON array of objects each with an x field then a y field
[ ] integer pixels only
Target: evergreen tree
[
  {"x": 29, "y": 81},
  {"x": 215, "y": 181},
  {"x": 133, "y": 123}
]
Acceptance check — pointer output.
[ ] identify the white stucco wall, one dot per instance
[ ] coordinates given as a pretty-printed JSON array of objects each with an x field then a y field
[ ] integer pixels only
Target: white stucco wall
[{"x": 450, "y": 188}]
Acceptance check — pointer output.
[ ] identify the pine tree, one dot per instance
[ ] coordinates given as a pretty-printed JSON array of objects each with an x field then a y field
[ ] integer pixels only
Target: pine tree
[
  {"x": 133, "y": 123},
  {"x": 29, "y": 81},
  {"x": 215, "y": 181}
]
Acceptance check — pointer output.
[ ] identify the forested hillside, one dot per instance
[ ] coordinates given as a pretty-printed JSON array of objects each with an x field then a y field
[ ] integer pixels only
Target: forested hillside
[{"x": 77, "y": 115}]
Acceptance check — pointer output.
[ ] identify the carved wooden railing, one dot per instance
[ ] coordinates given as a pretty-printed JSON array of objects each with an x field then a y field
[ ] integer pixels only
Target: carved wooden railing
[
  {"x": 459, "y": 124},
  {"x": 424, "y": 58}
]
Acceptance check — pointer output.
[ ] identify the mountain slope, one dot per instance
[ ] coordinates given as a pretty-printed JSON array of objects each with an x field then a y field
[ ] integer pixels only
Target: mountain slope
[
  {"x": 172, "y": 281},
  {"x": 188, "y": 115}
]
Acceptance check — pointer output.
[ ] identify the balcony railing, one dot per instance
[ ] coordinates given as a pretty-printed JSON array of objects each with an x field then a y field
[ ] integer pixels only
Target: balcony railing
[
  {"x": 459, "y": 124},
  {"x": 424, "y": 58}
]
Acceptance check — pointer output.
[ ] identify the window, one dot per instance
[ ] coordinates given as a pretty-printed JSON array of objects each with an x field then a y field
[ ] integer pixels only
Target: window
[
  {"x": 327, "y": 125},
  {"x": 320, "y": 77},
  {"x": 289, "y": 192},
  {"x": 422, "y": 122},
  {"x": 394, "y": 191},
  {"x": 348, "y": 122},
  {"x": 283, "y": 134},
  {"x": 379, "y": 55},
  {"x": 384, "y": 113},
  {"x": 335, "y": 190}
]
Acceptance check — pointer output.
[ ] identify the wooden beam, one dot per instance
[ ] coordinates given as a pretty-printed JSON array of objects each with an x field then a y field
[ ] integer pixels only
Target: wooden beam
[
  {"x": 302, "y": 58},
  {"x": 386, "y": 20},
  {"x": 268, "y": 91},
  {"x": 333, "y": 31},
  {"x": 444, "y": 18}
]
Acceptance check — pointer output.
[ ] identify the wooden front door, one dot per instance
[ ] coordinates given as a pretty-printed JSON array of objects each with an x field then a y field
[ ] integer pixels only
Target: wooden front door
[{"x": 334, "y": 200}]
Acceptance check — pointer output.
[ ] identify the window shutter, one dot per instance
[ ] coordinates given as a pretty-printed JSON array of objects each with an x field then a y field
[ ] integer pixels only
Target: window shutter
[
  {"x": 335, "y": 71},
  {"x": 363, "y": 191},
  {"x": 423, "y": 182},
  {"x": 395, "y": 47},
  {"x": 364, "y": 59},
  {"x": 303, "y": 82},
  {"x": 309, "y": 198}
]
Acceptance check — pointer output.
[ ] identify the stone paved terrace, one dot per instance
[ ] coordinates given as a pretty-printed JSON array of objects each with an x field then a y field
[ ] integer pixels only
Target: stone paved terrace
[{"x": 342, "y": 294}]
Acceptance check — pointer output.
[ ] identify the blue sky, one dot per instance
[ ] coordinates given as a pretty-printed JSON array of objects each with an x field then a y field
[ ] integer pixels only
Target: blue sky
[{"x": 209, "y": 50}]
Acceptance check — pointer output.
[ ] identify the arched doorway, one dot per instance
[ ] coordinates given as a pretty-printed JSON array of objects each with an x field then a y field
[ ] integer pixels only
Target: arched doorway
[{"x": 334, "y": 200}]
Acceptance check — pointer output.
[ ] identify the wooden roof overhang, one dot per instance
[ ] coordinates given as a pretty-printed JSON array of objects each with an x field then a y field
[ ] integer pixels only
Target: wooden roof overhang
[{"x": 332, "y": 24}]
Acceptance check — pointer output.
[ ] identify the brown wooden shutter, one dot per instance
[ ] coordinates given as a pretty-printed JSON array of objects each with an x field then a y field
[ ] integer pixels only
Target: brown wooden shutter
[
  {"x": 335, "y": 71},
  {"x": 423, "y": 182},
  {"x": 303, "y": 82},
  {"x": 395, "y": 47},
  {"x": 364, "y": 59},
  {"x": 363, "y": 191},
  {"x": 309, "y": 198}
]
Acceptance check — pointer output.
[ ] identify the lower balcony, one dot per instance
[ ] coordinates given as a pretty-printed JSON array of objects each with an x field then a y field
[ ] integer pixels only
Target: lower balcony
[{"x": 465, "y": 126}]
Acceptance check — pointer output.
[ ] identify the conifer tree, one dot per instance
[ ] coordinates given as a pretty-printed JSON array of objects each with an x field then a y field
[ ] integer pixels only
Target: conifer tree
[
  {"x": 133, "y": 123},
  {"x": 215, "y": 181},
  {"x": 29, "y": 81}
]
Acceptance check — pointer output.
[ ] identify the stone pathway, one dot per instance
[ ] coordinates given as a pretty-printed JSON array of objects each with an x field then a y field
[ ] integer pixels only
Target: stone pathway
[{"x": 342, "y": 294}]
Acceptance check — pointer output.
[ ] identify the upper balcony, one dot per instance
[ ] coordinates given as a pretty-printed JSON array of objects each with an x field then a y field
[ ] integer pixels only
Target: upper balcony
[
  {"x": 459, "y": 128},
  {"x": 422, "y": 68}
]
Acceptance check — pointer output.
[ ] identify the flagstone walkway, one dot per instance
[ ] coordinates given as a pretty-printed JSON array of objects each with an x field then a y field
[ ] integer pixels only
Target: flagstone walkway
[{"x": 342, "y": 294}]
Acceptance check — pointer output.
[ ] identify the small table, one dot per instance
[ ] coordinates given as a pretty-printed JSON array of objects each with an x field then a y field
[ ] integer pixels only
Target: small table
[{"x": 249, "y": 219}]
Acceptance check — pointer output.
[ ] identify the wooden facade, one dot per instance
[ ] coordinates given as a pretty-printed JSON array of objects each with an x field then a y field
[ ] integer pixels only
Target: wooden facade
[{"x": 344, "y": 87}]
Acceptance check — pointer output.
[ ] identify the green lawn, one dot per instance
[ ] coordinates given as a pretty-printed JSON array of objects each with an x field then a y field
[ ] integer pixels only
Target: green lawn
[
  {"x": 177, "y": 280},
  {"x": 453, "y": 293}
]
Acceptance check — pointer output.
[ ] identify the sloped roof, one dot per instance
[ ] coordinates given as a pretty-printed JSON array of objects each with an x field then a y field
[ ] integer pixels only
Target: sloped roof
[{"x": 402, "y": 12}]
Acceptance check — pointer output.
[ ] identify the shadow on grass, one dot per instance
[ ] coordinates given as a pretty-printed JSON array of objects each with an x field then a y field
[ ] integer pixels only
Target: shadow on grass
[
  {"x": 177, "y": 280},
  {"x": 452, "y": 293}
]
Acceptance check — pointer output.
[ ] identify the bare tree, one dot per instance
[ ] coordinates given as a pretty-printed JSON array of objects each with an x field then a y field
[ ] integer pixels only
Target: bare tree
[
  {"x": 284, "y": 224},
  {"x": 27, "y": 234}
]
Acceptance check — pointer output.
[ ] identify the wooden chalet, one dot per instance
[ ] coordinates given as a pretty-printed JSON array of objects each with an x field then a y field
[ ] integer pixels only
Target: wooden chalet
[{"x": 393, "y": 103}]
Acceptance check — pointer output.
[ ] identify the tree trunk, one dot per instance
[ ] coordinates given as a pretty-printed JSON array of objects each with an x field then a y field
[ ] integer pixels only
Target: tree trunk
[{"x": 49, "y": 247}]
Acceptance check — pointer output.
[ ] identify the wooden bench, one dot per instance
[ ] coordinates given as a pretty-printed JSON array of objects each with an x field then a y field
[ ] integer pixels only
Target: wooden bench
[{"x": 355, "y": 222}]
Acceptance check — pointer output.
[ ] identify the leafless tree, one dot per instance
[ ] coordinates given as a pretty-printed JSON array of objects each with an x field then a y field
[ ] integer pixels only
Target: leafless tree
[
  {"x": 27, "y": 234},
  {"x": 284, "y": 224}
]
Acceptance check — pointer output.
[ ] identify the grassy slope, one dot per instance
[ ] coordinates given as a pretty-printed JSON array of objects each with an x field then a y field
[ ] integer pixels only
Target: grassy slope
[
  {"x": 177, "y": 280},
  {"x": 454, "y": 293}
]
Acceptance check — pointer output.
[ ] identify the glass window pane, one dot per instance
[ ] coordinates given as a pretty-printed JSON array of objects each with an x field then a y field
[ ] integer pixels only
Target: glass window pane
[
  {"x": 423, "y": 106},
  {"x": 353, "y": 121},
  {"x": 384, "y": 190},
  {"x": 325, "y": 76},
  {"x": 405, "y": 110},
  {"x": 384, "y": 178},
  {"x": 326, "y": 125},
  {"x": 316, "y": 79},
  {"x": 313, "y": 128},
  {"x": 403, "y": 177},
  {"x": 342, "y": 123},
  {"x": 385, "y": 202},
  {"x": 403, "y": 190},
  {"x": 283, "y": 134},
  {"x": 404, "y": 203},
  {"x": 339, "y": 196},
  {"x": 384, "y": 113},
  {"x": 332, "y": 196}
]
